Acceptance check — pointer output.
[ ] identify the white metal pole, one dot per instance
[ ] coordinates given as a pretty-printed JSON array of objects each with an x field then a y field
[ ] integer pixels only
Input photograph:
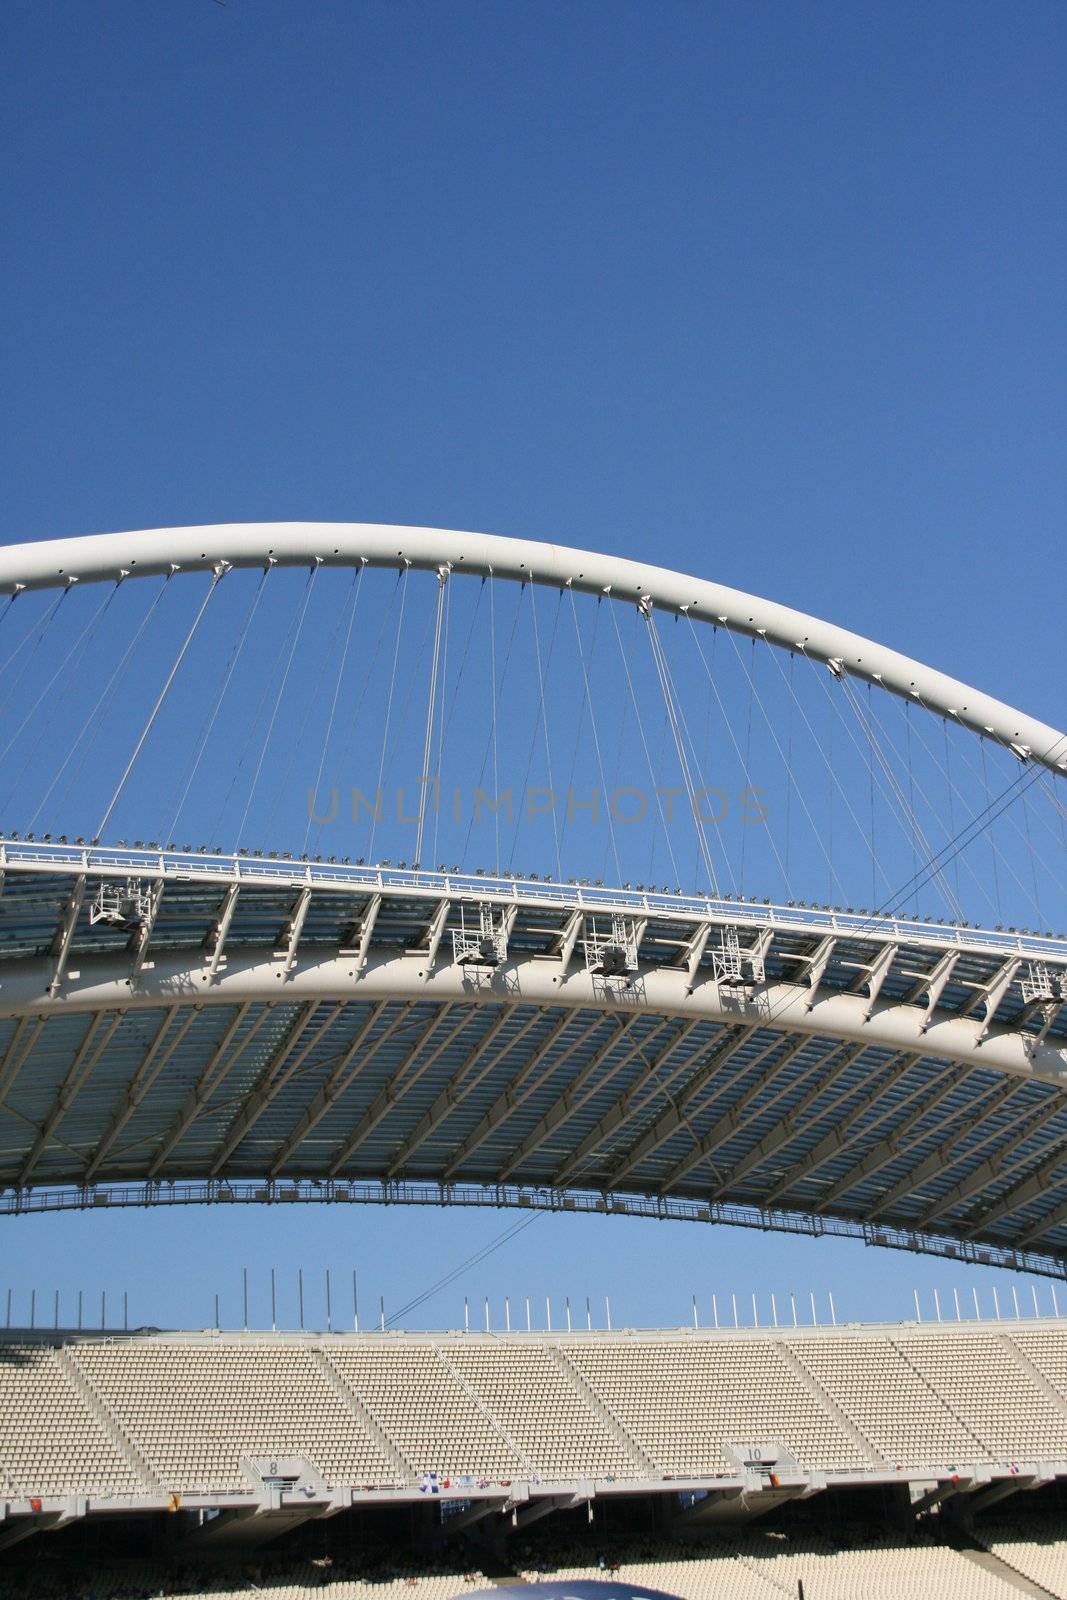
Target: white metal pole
[
  {"x": 588, "y": 1315},
  {"x": 996, "y": 1302},
  {"x": 466, "y": 1315},
  {"x": 937, "y": 1304},
  {"x": 793, "y": 1305},
  {"x": 1015, "y": 1301},
  {"x": 1055, "y": 1302},
  {"x": 774, "y": 1309},
  {"x": 1033, "y": 1291},
  {"x": 977, "y": 1307},
  {"x": 833, "y": 1308},
  {"x": 529, "y": 1323},
  {"x": 696, "y": 1317},
  {"x": 755, "y": 1311},
  {"x": 507, "y": 1313},
  {"x": 733, "y": 1302},
  {"x": 715, "y": 1309},
  {"x": 548, "y": 1313},
  {"x": 487, "y": 1313},
  {"x": 956, "y": 1300},
  {"x": 607, "y": 1312},
  {"x": 918, "y": 1309},
  {"x": 569, "y": 1329},
  {"x": 381, "y": 1312},
  {"x": 814, "y": 1312}
]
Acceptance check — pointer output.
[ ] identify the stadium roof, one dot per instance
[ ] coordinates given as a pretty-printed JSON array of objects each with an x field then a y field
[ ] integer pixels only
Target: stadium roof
[{"x": 189, "y": 1027}]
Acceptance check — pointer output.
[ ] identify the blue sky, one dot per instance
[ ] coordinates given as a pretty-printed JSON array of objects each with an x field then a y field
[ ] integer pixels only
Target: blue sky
[{"x": 774, "y": 291}]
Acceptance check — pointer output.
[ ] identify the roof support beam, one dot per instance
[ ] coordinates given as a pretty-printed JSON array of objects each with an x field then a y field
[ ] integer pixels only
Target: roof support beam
[
  {"x": 667, "y": 1123},
  {"x": 877, "y": 973},
  {"x": 693, "y": 953},
  {"x": 65, "y": 934},
  {"x": 294, "y": 929},
  {"x": 219, "y": 1063},
  {"x": 934, "y": 986},
  {"x": 569, "y": 939},
  {"x": 521, "y": 1087},
  {"x": 283, "y": 1064},
  {"x": 370, "y": 917},
  {"x": 217, "y": 935},
  {"x": 85, "y": 1058},
  {"x": 435, "y": 933},
  {"x": 817, "y": 964},
  {"x": 141, "y": 937},
  {"x": 589, "y": 1082},
  {"x": 733, "y": 1119},
  {"x": 1048, "y": 1224},
  {"x": 837, "y": 1138},
  {"x": 474, "y": 1071},
  {"x": 987, "y": 1172},
  {"x": 27, "y": 1032},
  {"x": 1020, "y": 1194},
  {"x": 790, "y": 1125},
  {"x": 994, "y": 993},
  {"x": 410, "y": 1071},
  {"x": 352, "y": 1061},
  {"x": 141, "y": 1082},
  {"x": 916, "y": 1106}
]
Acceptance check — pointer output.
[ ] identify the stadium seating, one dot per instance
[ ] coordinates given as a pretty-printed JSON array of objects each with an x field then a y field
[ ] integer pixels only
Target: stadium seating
[
  {"x": 767, "y": 1566},
  {"x": 74, "y": 1451},
  {"x": 436, "y": 1424},
  {"x": 193, "y": 1410},
  {"x": 683, "y": 1400},
  {"x": 892, "y": 1404},
  {"x": 1042, "y": 1559},
  {"x": 981, "y": 1381},
  {"x": 555, "y": 1428},
  {"x": 178, "y": 1412}
]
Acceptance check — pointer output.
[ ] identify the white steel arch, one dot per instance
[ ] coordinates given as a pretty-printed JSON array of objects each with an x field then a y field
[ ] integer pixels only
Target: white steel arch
[{"x": 101, "y": 557}]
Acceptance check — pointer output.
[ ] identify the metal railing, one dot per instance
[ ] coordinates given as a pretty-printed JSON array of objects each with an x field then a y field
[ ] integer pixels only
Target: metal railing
[
  {"x": 283, "y": 871},
  {"x": 289, "y": 1191}
]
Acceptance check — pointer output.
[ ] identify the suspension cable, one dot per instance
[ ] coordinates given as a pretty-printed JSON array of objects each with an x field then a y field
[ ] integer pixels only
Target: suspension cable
[
  {"x": 675, "y": 720},
  {"x": 356, "y": 590},
  {"x": 81, "y": 639},
  {"x": 493, "y": 712},
  {"x": 596, "y": 736},
  {"x": 72, "y": 658},
  {"x": 975, "y": 826},
  {"x": 425, "y": 776},
  {"x": 217, "y": 575},
  {"x": 235, "y": 656},
  {"x": 97, "y": 711},
  {"x": 656, "y": 788},
  {"x": 872, "y": 728},
  {"x": 540, "y": 724},
  {"x": 308, "y": 588},
  {"x": 439, "y": 764},
  {"x": 864, "y": 755},
  {"x": 488, "y": 738},
  {"x": 42, "y": 628},
  {"x": 1035, "y": 855},
  {"x": 388, "y": 710}
]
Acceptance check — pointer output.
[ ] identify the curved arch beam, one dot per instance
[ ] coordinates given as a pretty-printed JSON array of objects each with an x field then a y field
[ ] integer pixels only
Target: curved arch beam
[
  {"x": 105, "y": 982},
  {"x": 98, "y": 557}
]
